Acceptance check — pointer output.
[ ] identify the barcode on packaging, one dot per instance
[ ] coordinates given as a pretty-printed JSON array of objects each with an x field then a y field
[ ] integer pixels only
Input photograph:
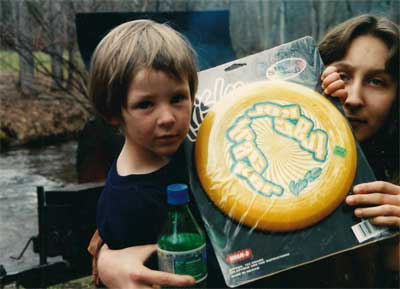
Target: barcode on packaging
[{"x": 365, "y": 231}]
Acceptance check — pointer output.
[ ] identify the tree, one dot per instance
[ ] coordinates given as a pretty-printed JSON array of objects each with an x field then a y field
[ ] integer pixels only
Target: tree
[
  {"x": 25, "y": 45},
  {"x": 46, "y": 41},
  {"x": 55, "y": 33}
]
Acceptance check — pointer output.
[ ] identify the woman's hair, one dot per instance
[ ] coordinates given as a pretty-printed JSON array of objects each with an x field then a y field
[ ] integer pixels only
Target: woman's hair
[
  {"x": 334, "y": 45},
  {"x": 129, "y": 48},
  {"x": 382, "y": 150}
]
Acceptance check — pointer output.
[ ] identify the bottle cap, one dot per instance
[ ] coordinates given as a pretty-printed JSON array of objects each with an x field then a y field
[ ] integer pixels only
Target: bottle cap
[{"x": 177, "y": 194}]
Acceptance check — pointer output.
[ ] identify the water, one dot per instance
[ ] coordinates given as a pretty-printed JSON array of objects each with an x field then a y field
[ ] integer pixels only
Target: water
[{"x": 20, "y": 172}]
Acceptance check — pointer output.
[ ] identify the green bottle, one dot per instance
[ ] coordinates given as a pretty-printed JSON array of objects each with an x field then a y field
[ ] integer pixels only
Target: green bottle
[{"x": 181, "y": 249}]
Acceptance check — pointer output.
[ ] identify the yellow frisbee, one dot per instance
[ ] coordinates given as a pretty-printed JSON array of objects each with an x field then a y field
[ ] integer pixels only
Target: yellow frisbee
[{"x": 275, "y": 156}]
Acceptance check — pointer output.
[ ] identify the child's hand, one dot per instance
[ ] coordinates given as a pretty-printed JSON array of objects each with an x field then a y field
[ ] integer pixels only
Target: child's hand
[
  {"x": 383, "y": 199},
  {"x": 332, "y": 84},
  {"x": 124, "y": 269}
]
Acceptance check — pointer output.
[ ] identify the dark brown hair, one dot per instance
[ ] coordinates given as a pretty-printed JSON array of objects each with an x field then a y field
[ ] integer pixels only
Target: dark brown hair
[{"x": 334, "y": 45}]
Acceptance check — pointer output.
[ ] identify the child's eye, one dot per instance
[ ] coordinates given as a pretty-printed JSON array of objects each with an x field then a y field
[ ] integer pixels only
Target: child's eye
[
  {"x": 177, "y": 98},
  {"x": 144, "y": 104}
]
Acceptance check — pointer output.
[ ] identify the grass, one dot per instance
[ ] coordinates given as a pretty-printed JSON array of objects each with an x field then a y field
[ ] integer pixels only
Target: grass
[{"x": 9, "y": 61}]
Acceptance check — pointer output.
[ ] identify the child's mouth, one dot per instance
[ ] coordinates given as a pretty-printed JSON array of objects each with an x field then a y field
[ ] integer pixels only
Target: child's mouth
[{"x": 168, "y": 138}]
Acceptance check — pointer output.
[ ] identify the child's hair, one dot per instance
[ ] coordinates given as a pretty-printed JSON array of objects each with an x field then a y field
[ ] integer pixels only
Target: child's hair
[
  {"x": 382, "y": 150},
  {"x": 129, "y": 48}
]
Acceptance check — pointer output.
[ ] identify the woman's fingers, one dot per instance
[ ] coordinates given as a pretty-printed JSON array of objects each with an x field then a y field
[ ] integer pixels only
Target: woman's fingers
[
  {"x": 145, "y": 275},
  {"x": 382, "y": 199},
  {"x": 373, "y": 199},
  {"x": 329, "y": 70},
  {"x": 375, "y": 193},
  {"x": 116, "y": 266},
  {"x": 341, "y": 94},
  {"x": 329, "y": 79},
  {"x": 378, "y": 186},
  {"x": 383, "y": 210},
  {"x": 334, "y": 86},
  {"x": 390, "y": 221}
]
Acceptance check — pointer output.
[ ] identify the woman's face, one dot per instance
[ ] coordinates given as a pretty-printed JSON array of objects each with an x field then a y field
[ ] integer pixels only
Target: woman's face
[{"x": 371, "y": 90}]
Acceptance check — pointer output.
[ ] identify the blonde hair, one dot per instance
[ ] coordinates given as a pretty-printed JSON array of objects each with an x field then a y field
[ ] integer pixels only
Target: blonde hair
[{"x": 129, "y": 48}]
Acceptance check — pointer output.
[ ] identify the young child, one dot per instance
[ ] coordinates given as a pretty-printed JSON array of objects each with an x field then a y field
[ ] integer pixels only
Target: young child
[{"x": 143, "y": 79}]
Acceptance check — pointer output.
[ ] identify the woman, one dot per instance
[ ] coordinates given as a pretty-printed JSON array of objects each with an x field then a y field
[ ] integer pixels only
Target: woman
[
  {"x": 363, "y": 55},
  {"x": 364, "y": 52}
]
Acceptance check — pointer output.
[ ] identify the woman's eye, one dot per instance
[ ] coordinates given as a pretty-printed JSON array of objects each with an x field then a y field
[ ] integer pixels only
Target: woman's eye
[
  {"x": 376, "y": 82},
  {"x": 144, "y": 105},
  {"x": 177, "y": 98},
  {"x": 344, "y": 76}
]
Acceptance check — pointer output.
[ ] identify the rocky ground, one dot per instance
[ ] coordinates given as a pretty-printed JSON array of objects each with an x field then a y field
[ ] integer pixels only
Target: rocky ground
[{"x": 46, "y": 117}]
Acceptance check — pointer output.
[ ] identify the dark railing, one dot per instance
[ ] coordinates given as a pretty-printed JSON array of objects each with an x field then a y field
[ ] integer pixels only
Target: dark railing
[{"x": 67, "y": 220}]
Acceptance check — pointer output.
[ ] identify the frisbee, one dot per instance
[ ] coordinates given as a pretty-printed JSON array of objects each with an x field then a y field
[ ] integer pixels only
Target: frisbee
[{"x": 275, "y": 156}]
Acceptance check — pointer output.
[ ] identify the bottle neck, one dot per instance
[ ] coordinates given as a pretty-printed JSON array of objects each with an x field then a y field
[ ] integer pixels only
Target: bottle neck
[
  {"x": 178, "y": 207},
  {"x": 176, "y": 212}
]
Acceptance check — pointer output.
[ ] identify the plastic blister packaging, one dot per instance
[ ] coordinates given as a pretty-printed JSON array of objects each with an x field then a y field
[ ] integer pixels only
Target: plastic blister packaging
[{"x": 271, "y": 161}]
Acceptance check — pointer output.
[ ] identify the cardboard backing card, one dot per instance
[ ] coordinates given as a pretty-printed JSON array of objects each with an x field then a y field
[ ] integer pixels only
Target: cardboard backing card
[{"x": 246, "y": 254}]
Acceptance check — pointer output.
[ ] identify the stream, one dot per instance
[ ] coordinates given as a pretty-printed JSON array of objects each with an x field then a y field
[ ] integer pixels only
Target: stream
[{"x": 21, "y": 170}]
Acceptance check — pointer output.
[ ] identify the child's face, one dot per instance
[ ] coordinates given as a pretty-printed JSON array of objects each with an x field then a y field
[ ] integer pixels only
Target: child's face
[
  {"x": 157, "y": 115},
  {"x": 371, "y": 90}
]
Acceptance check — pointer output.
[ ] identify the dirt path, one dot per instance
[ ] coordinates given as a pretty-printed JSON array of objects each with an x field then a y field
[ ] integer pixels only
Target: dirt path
[{"x": 32, "y": 119}]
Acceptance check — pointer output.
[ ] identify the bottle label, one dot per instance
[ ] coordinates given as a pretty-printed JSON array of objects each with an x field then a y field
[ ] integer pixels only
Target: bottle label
[{"x": 192, "y": 262}]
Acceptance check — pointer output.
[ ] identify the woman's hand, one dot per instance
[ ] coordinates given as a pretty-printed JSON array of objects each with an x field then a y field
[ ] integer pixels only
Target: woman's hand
[
  {"x": 332, "y": 84},
  {"x": 124, "y": 269},
  {"x": 382, "y": 199}
]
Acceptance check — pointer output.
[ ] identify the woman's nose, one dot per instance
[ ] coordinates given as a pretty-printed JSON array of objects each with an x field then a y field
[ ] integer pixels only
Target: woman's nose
[{"x": 355, "y": 97}]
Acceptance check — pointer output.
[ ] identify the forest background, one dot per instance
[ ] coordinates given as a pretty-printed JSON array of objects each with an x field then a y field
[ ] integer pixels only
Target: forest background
[{"x": 43, "y": 93}]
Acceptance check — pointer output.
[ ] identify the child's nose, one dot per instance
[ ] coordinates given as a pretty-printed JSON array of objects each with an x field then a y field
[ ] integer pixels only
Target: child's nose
[{"x": 166, "y": 117}]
